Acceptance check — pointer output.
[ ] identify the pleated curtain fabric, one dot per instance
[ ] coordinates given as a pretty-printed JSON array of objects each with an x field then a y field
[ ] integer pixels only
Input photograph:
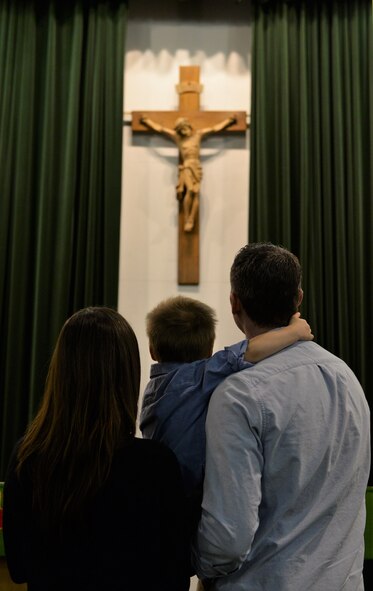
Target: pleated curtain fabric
[
  {"x": 311, "y": 186},
  {"x": 61, "y": 112}
]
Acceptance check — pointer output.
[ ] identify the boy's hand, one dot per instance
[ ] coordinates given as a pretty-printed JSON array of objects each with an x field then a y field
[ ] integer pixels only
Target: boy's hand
[{"x": 301, "y": 328}]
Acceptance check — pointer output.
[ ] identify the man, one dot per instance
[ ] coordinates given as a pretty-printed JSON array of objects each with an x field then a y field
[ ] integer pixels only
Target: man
[
  {"x": 188, "y": 140},
  {"x": 288, "y": 453}
]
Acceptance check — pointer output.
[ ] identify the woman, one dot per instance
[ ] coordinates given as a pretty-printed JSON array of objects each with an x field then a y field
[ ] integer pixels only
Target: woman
[{"x": 87, "y": 505}]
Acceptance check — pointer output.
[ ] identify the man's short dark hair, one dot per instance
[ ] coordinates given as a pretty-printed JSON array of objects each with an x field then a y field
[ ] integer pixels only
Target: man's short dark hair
[
  {"x": 266, "y": 278},
  {"x": 181, "y": 329}
]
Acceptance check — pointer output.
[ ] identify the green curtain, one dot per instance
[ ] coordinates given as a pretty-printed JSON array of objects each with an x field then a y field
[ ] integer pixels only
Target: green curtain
[
  {"x": 311, "y": 183},
  {"x": 61, "y": 107}
]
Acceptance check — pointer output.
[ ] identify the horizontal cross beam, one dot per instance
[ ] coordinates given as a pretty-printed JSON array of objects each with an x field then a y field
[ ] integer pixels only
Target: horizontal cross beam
[{"x": 198, "y": 119}]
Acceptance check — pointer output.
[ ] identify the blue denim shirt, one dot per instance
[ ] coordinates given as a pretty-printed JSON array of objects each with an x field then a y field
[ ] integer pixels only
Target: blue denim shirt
[{"x": 175, "y": 405}]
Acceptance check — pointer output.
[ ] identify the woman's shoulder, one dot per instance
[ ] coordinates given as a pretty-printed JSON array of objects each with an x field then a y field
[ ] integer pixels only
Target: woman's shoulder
[
  {"x": 146, "y": 459},
  {"x": 148, "y": 449}
]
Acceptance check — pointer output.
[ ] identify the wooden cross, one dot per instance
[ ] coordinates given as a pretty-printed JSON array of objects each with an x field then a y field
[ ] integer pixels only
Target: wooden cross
[{"x": 189, "y": 90}]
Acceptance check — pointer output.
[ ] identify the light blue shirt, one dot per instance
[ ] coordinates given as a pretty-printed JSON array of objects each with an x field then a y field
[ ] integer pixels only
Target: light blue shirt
[
  {"x": 287, "y": 465},
  {"x": 175, "y": 405}
]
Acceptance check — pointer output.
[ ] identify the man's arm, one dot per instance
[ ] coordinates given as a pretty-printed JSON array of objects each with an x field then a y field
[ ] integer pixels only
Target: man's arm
[
  {"x": 271, "y": 342},
  {"x": 232, "y": 485},
  {"x": 157, "y": 127}
]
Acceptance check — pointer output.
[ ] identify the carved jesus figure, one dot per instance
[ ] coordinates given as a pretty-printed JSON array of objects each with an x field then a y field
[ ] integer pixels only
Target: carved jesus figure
[{"x": 188, "y": 141}]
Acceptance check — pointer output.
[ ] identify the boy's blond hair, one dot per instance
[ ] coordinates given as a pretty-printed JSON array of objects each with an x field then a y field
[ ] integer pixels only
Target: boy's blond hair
[{"x": 181, "y": 329}]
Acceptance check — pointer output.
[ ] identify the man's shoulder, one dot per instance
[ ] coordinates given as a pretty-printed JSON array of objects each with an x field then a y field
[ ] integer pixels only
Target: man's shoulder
[
  {"x": 304, "y": 353},
  {"x": 294, "y": 359}
]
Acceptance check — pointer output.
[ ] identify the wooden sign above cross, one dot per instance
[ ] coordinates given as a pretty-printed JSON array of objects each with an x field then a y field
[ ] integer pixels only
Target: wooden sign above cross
[{"x": 187, "y": 127}]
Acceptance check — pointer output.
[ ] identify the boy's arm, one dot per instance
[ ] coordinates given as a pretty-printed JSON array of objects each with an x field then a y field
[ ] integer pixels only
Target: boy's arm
[{"x": 271, "y": 342}]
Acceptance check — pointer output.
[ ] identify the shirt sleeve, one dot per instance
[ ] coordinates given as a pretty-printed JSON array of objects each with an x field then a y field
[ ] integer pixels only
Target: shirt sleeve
[
  {"x": 224, "y": 363},
  {"x": 232, "y": 486},
  {"x": 185, "y": 393}
]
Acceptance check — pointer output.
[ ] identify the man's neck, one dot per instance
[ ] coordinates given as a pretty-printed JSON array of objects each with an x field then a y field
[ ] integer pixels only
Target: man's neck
[{"x": 252, "y": 330}]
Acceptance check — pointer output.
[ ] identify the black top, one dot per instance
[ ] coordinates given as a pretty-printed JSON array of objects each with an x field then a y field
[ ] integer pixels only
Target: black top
[{"x": 135, "y": 536}]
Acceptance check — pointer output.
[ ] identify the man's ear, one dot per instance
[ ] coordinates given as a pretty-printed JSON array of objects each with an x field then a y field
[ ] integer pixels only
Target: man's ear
[
  {"x": 300, "y": 296},
  {"x": 235, "y": 303}
]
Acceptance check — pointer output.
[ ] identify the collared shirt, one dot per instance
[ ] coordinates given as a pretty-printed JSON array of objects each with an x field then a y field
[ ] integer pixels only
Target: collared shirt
[
  {"x": 175, "y": 405},
  {"x": 288, "y": 457}
]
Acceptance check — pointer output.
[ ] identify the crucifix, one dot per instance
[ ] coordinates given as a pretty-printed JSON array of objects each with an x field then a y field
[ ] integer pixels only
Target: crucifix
[{"x": 187, "y": 127}]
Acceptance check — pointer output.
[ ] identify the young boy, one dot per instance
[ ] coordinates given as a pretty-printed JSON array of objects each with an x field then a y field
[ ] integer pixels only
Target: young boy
[{"x": 181, "y": 334}]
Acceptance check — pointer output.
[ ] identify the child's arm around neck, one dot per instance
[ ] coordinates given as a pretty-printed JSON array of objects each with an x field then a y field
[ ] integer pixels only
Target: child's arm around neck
[{"x": 271, "y": 342}]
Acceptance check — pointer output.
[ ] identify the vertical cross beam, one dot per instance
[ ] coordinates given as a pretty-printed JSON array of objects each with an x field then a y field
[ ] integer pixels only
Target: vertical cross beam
[{"x": 189, "y": 90}]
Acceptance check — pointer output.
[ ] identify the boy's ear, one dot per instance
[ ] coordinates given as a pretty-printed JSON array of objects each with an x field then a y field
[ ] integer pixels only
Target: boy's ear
[
  {"x": 235, "y": 303},
  {"x": 152, "y": 354}
]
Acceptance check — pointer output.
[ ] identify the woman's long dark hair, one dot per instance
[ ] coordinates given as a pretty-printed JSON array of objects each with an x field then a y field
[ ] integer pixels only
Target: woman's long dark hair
[{"x": 88, "y": 411}]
